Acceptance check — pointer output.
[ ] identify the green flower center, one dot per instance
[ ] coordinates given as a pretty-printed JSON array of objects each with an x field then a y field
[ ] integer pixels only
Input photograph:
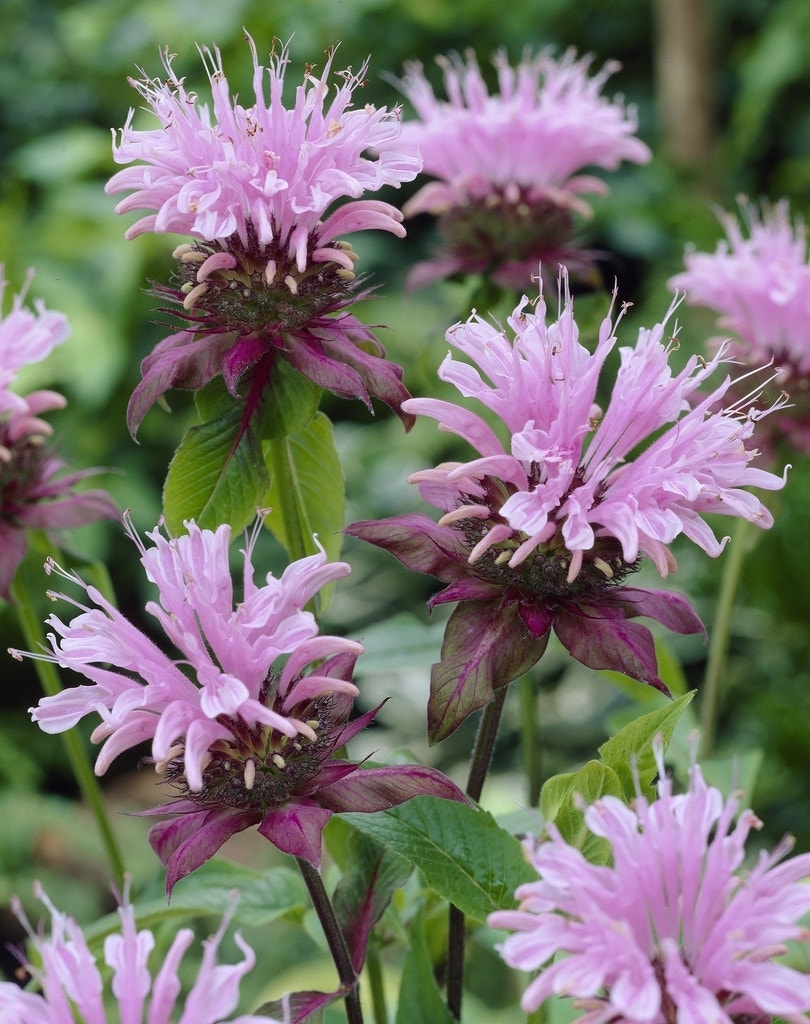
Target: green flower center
[
  {"x": 259, "y": 767},
  {"x": 265, "y": 291},
  {"x": 543, "y": 575}
]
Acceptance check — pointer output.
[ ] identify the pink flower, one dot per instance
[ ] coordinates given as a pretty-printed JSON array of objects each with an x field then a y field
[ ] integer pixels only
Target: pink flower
[
  {"x": 73, "y": 988},
  {"x": 25, "y": 337},
  {"x": 507, "y": 166},
  {"x": 542, "y": 528},
  {"x": 246, "y": 721},
  {"x": 671, "y": 929},
  {"x": 220, "y": 682},
  {"x": 261, "y": 189},
  {"x": 758, "y": 281},
  {"x": 33, "y": 493}
]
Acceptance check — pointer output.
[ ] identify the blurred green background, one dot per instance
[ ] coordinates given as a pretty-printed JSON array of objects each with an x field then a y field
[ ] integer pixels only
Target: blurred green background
[{"x": 63, "y": 86}]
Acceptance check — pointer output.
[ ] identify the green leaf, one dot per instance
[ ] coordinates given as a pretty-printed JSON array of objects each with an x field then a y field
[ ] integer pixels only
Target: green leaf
[
  {"x": 306, "y": 492},
  {"x": 464, "y": 855},
  {"x": 564, "y": 797},
  {"x": 264, "y": 896},
  {"x": 217, "y": 475},
  {"x": 292, "y": 402},
  {"x": 560, "y": 802},
  {"x": 420, "y": 1001},
  {"x": 633, "y": 744},
  {"x": 213, "y": 399}
]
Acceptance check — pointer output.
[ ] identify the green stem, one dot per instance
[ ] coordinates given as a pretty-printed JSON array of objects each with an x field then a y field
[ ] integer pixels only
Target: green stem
[
  {"x": 335, "y": 939},
  {"x": 720, "y": 638},
  {"x": 283, "y": 471},
  {"x": 375, "y": 981},
  {"x": 79, "y": 762},
  {"x": 479, "y": 766},
  {"x": 485, "y": 744},
  {"x": 529, "y": 739}
]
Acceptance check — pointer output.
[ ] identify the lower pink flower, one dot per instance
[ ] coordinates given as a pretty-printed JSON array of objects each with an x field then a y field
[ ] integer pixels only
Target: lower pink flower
[
  {"x": 247, "y": 721},
  {"x": 673, "y": 930},
  {"x": 73, "y": 989}
]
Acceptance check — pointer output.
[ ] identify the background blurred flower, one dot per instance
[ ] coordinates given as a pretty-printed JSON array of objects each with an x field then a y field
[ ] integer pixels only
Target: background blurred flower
[
  {"x": 507, "y": 165},
  {"x": 33, "y": 494},
  {"x": 25, "y": 337},
  {"x": 269, "y": 274},
  {"x": 758, "y": 281},
  {"x": 671, "y": 928},
  {"x": 543, "y": 530},
  {"x": 73, "y": 988}
]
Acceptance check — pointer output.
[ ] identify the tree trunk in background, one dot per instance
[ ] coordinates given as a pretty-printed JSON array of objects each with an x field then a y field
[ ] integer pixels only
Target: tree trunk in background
[{"x": 685, "y": 81}]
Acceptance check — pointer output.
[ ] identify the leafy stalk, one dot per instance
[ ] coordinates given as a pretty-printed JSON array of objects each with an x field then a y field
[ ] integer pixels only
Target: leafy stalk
[
  {"x": 720, "y": 638},
  {"x": 79, "y": 762},
  {"x": 282, "y": 468},
  {"x": 529, "y": 739},
  {"x": 375, "y": 980}
]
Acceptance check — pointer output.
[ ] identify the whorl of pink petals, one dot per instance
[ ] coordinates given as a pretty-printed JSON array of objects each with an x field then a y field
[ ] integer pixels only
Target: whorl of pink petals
[
  {"x": 673, "y": 927},
  {"x": 263, "y": 174}
]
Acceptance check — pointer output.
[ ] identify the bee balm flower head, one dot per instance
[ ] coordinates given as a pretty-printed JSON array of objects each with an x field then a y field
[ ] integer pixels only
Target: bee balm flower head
[
  {"x": 758, "y": 282},
  {"x": 267, "y": 192},
  {"x": 73, "y": 989},
  {"x": 673, "y": 928},
  {"x": 247, "y": 720},
  {"x": 544, "y": 525},
  {"x": 35, "y": 494},
  {"x": 507, "y": 165}
]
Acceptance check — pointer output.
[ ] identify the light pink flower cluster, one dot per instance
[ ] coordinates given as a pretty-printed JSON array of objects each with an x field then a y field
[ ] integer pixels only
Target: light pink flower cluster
[
  {"x": 73, "y": 990},
  {"x": 507, "y": 164},
  {"x": 143, "y": 694},
  {"x": 543, "y": 526},
  {"x": 268, "y": 192},
  {"x": 249, "y": 722},
  {"x": 33, "y": 493},
  {"x": 645, "y": 470},
  {"x": 26, "y": 337},
  {"x": 758, "y": 282},
  {"x": 264, "y": 175},
  {"x": 673, "y": 928}
]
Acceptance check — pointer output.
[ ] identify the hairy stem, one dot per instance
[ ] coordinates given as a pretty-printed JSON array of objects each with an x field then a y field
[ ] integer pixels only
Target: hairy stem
[
  {"x": 479, "y": 766},
  {"x": 77, "y": 754},
  {"x": 334, "y": 938},
  {"x": 720, "y": 637},
  {"x": 529, "y": 739}
]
